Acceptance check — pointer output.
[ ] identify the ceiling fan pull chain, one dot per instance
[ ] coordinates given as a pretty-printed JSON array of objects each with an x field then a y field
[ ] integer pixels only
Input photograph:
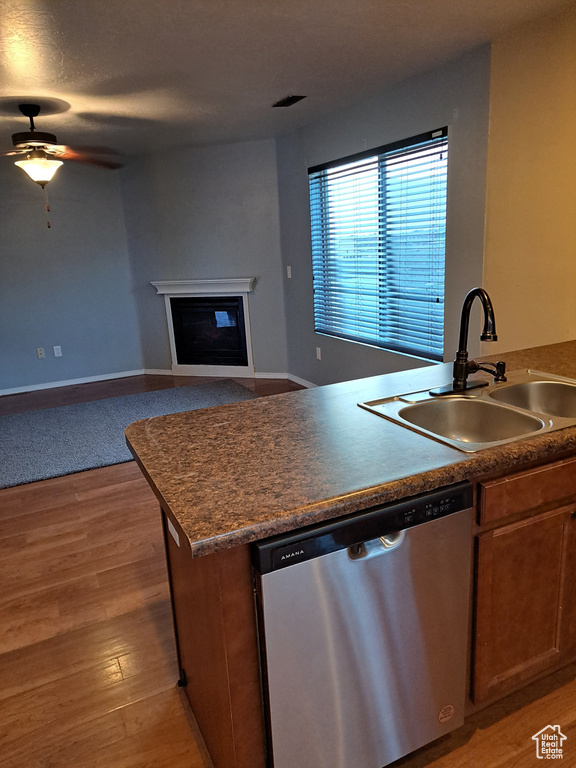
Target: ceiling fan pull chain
[{"x": 47, "y": 204}]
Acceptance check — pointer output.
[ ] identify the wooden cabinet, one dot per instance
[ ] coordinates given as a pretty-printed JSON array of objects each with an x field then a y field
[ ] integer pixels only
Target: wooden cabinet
[
  {"x": 525, "y": 619},
  {"x": 216, "y": 638}
]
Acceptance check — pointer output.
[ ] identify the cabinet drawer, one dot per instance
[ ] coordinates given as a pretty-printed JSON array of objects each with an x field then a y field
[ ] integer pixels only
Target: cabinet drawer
[{"x": 527, "y": 490}]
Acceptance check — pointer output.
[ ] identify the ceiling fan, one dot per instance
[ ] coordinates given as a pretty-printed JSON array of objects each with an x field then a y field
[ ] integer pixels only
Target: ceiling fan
[
  {"x": 40, "y": 147},
  {"x": 42, "y": 153}
]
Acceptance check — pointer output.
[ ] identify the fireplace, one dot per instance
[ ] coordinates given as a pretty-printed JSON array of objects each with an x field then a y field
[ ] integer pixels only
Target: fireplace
[
  {"x": 209, "y": 326},
  {"x": 209, "y": 330}
]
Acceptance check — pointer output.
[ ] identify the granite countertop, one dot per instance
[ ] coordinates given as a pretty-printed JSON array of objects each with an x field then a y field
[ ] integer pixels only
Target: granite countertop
[{"x": 237, "y": 473}]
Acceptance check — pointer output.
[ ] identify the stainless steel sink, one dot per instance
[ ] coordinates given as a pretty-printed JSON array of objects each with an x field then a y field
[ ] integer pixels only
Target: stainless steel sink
[
  {"x": 470, "y": 421},
  {"x": 529, "y": 403},
  {"x": 553, "y": 398}
]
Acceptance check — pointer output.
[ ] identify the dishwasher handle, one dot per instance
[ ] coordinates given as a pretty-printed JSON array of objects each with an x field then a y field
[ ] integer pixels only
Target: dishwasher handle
[
  {"x": 376, "y": 547},
  {"x": 392, "y": 540}
]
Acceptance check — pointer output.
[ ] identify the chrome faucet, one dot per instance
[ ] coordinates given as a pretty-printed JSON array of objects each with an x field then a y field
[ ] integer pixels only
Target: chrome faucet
[{"x": 463, "y": 367}]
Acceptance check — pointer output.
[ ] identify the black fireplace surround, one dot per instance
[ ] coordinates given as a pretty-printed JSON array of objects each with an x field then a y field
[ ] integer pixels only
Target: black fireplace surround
[{"x": 209, "y": 330}]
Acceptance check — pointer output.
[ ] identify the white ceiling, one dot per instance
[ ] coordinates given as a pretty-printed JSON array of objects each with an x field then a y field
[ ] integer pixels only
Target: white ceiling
[{"x": 143, "y": 75}]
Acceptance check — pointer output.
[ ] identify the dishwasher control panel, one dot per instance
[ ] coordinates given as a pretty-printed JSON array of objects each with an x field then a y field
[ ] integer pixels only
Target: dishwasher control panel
[
  {"x": 288, "y": 549},
  {"x": 429, "y": 510}
]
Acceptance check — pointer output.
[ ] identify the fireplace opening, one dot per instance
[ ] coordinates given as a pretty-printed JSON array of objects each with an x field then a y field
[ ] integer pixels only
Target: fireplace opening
[{"x": 209, "y": 330}]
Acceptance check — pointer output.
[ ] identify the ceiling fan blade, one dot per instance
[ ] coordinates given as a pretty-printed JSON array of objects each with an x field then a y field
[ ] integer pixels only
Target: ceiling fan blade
[
  {"x": 87, "y": 155},
  {"x": 89, "y": 149},
  {"x": 86, "y": 160},
  {"x": 13, "y": 152}
]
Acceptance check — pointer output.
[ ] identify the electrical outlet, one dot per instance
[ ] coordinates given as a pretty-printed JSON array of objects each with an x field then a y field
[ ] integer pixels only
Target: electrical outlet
[
  {"x": 288, "y": 272},
  {"x": 57, "y": 351},
  {"x": 40, "y": 353},
  {"x": 318, "y": 353}
]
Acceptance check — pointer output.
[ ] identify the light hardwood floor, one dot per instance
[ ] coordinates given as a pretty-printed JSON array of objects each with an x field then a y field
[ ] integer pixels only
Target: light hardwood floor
[{"x": 87, "y": 660}]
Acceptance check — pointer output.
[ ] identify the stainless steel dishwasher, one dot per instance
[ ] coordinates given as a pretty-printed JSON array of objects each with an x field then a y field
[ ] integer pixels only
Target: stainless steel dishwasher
[{"x": 363, "y": 628}]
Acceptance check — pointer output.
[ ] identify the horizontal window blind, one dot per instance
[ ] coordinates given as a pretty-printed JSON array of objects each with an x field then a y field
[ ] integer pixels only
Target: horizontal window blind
[{"x": 378, "y": 245}]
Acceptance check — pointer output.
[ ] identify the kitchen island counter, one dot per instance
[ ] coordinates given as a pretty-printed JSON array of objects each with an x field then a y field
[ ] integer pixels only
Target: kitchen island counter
[{"x": 236, "y": 473}]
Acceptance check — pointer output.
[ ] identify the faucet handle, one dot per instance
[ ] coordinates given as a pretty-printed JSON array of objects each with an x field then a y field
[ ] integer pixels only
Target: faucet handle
[{"x": 498, "y": 370}]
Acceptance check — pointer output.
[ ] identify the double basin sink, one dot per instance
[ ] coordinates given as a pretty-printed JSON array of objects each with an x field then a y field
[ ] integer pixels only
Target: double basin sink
[{"x": 529, "y": 403}]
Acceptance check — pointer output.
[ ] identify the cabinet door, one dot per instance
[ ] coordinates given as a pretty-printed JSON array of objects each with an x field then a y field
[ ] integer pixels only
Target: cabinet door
[{"x": 522, "y": 569}]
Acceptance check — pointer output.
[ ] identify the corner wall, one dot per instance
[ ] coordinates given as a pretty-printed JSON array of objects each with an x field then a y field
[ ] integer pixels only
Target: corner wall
[
  {"x": 530, "y": 259},
  {"x": 69, "y": 285},
  {"x": 201, "y": 213}
]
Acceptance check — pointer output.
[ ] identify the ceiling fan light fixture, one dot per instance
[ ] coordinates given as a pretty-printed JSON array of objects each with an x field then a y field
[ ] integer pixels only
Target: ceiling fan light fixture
[{"x": 38, "y": 167}]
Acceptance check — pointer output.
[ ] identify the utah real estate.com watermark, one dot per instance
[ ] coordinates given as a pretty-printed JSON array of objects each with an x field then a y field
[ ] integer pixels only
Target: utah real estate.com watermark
[{"x": 549, "y": 741}]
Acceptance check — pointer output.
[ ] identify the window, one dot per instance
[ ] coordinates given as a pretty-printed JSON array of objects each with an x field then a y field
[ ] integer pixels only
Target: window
[{"x": 378, "y": 245}]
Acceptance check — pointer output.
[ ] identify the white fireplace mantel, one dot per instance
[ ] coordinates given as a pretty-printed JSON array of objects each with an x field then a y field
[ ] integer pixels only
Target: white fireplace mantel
[
  {"x": 237, "y": 286},
  {"x": 217, "y": 287}
]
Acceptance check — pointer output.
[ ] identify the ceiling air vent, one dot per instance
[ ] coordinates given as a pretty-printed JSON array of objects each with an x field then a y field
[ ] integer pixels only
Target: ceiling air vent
[{"x": 288, "y": 101}]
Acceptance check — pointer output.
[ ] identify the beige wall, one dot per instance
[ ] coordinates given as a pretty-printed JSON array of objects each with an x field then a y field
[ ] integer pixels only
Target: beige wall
[{"x": 530, "y": 237}]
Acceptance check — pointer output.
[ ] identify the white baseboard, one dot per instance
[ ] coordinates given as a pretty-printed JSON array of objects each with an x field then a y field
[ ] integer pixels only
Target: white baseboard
[
  {"x": 70, "y": 382},
  {"x": 290, "y": 376},
  {"x": 125, "y": 374},
  {"x": 159, "y": 372},
  {"x": 303, "y": 382},
  {"x": 264, "y": 375}
]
